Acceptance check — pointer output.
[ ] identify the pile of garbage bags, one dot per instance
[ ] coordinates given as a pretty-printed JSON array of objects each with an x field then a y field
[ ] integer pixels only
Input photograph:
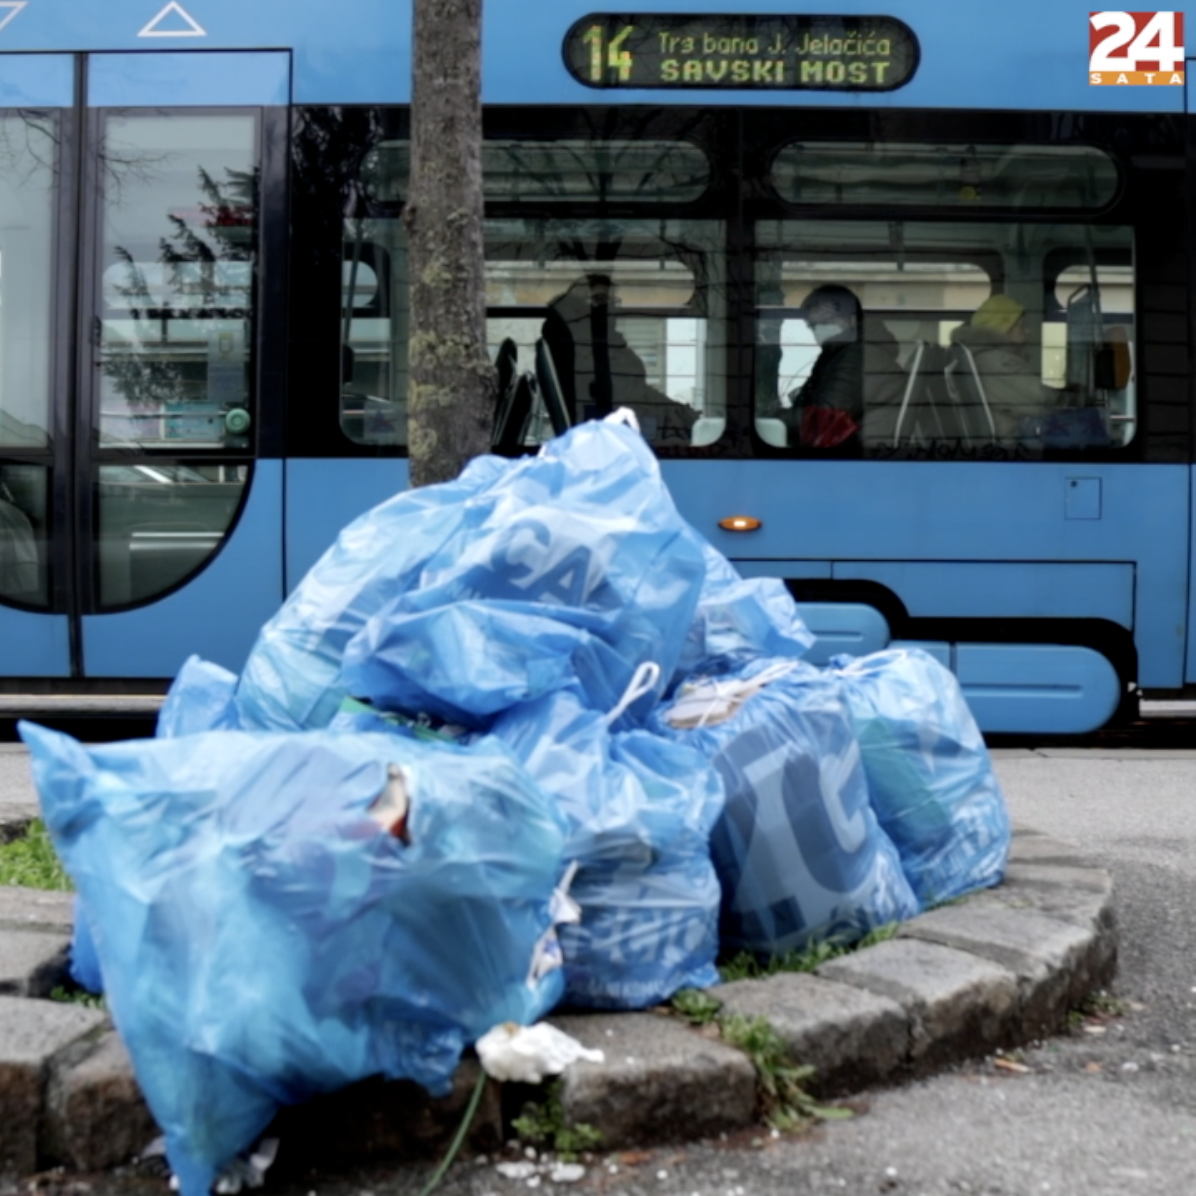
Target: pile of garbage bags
[{"x": 520, "y": 740}]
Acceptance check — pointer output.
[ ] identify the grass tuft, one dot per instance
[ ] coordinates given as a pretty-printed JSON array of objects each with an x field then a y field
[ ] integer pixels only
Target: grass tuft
[
  {"x": 746, "y": 966},
  {"x": 31, "y": 861},
  {"x": 543, "y": 1124}
]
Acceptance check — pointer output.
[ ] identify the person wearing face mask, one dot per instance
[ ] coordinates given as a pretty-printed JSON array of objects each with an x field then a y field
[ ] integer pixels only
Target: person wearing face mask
[{"x": 828, "y": 409}]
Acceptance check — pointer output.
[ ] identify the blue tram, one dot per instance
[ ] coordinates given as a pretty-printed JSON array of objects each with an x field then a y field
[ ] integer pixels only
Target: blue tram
[{"x": 203, "y": 314}]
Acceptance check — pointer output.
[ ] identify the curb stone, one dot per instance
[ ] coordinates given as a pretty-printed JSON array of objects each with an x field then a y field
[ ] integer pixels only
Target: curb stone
[
  {"x": 1000, "y": 968},
  {"x": 94, "y": 1116},
  {"x": 34, "y": 1037},
  {"x": 850, "y": 1036},
  {"x": 955, "y": 1003},
  {"x": 660, "y": 1081},
  {"x": 36, "y": 909}
]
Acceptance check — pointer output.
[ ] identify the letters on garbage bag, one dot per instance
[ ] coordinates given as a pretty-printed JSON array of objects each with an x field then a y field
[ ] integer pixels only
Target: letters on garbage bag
[{"x": 798, "y": 849}]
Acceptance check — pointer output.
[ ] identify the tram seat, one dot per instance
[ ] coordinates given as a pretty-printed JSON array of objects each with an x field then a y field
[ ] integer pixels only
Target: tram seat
[
  {"x": 550, "y": 389},
  {"x": 965, "y": 388},
  {"x": 906, "y": 425},
  {"x": 772, "y": 431},
  {"x": 707, "y": 429},
  {"x": 1117, "y": 358},
  {"x": 934, "y": 411},
  {"x": 504, "y": 365},
  {"x": 905, "y": 409},
  {"x": 513, "y": 415}
]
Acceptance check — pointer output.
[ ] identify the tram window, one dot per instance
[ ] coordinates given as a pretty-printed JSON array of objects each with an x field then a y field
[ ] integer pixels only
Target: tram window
[
  {"x": 374, "y": 328},
  {"x": 957, "y": 339},
  {"x": 632, "y": 311},
  {"x": 28, "y": 180},
  {"x": 27, "y": 204},
  {"x": 176, "y": 332},
  {"x": 24, "y": 533},
  {"x": 158, "y": 523},
  {"x": 176, "y": 286},
  {"x": 1024, "y": 177},
  {"x": 566, "y": 171}
]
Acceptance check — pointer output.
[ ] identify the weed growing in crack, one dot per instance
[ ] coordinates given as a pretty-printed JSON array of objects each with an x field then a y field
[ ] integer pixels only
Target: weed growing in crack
[{"x": 543, "y": 1124}]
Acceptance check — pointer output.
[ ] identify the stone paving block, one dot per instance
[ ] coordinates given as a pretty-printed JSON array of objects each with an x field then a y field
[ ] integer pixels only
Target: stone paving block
[
  {"x": 850, "y": 1036},
  {"x": 1083, "y": 896},
  {"x": 95, "y": 1115},
  {"x": 958, "y": 1004},
  {"x": 1047, "y": 874},
  {"x": 33, "y": 1034},
  {"x": 385, "y": 1119},
  {"x": 1033, "y": 847},
  {"x": 1056, "y": 963},
  {"x": 661, "y": 1080},
  {"x": 32, "y": 962},
  {"x": 36, "y": 909}
]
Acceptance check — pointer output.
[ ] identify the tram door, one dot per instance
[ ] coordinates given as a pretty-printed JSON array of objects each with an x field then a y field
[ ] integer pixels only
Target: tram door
[{"x": 140, "y": 511}]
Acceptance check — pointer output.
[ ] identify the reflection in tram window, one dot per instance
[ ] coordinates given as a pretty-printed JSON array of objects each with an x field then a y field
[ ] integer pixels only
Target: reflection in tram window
[
  {"x": 24, "y": 534},
  {"x": 176, "y": 288},
  {"x": 176, "y": 292},
  {"x": 607, "y": 312},
  {"x": 630, "y": 313},
  {"x": 28, "y": 142},
  {"x": 374, "y": 332},
  {"x": 160, "y": 522},
  {"x": 987, "y": 352},
  {"x": 28, "y": 149},
  {"x": 662, "y": 294}
]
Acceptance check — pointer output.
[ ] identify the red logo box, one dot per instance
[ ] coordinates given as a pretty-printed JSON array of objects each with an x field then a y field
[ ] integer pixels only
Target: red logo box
[{"x": 1135, "y": 48}]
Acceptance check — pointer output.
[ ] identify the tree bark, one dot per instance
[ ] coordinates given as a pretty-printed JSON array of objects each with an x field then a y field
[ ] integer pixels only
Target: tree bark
[{"x": 450, "y": 397}]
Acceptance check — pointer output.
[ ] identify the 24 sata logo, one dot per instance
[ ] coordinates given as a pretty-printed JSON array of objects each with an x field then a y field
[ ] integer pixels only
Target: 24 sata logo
[{"x": 1135, "y": 47}]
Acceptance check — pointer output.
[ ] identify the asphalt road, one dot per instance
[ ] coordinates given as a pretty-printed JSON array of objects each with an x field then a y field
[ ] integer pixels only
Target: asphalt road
[{"x": 1107, "y": 1110}]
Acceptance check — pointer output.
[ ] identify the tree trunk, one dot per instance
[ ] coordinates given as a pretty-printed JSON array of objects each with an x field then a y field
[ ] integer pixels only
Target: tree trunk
[{"x": 450, "y": 396}]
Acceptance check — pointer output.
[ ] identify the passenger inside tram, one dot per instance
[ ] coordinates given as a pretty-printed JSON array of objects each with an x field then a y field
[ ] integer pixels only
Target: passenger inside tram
[
  {"x": 856, "y": 372},
  {"x": 996, "y": 340},
  {"x": 598, "y": 370}
]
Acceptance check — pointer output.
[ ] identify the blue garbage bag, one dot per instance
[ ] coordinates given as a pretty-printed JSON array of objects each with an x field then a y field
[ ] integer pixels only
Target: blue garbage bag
[
  {"x": 639, "y": 810},
  {"x": 466, "y": 662},
  {"x": 291, "y": 678},
  {"x": 584, "y": 534},
  {"x": 84, "y": 967},
  {"x": 798, "y": 849},
  {"x": 738, "y": 619},
  {"x": 200, "y": 699},
  {"x": 929, "y": 773},
  {"x": 264, "y": 935}
]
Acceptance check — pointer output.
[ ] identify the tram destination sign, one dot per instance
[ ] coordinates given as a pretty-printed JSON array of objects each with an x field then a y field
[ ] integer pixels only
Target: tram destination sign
[{"x": 741, "y": 50}]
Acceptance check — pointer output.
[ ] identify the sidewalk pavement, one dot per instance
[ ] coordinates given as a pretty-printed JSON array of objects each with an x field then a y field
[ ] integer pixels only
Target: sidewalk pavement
[{"x": 1001, "y": 968}]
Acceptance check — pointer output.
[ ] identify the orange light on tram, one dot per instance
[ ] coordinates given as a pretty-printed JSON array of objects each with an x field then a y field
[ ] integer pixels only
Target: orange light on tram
[{"x": 740, "y": 523}]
